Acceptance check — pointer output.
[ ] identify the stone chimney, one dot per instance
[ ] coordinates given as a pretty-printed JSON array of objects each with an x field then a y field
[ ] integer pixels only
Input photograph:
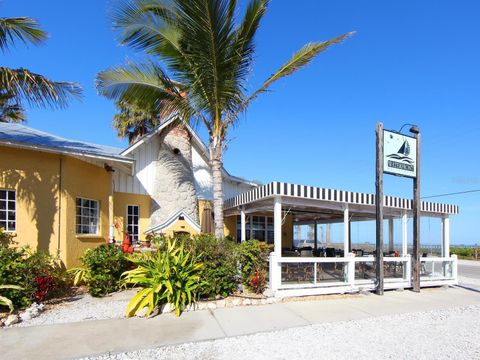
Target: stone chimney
[{"x": 173, "y": 186}]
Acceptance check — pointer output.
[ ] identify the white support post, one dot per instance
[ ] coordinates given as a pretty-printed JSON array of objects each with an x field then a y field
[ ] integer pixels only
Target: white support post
[
  {"x": 277, "y": 226},
  {"x": 446, "y": 236},
  {"x": 391, "y": 246},
  {"x": 275, "y": 267},
  {"x": 346, "y": 232},
  {"x": 404, "y": 234},
  {"x": 243, "y": 231},
  {"x": 351, "y": 270}
]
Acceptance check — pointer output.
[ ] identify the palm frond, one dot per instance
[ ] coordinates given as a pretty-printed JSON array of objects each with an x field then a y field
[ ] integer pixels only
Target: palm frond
[
  {"x": 10, "y": 110},
  {"x": 36, "y": 89},
  {"x": 299, "y": 60},
  {"x": 148, "y": 83},
  {"x": 22, "y": 29}
]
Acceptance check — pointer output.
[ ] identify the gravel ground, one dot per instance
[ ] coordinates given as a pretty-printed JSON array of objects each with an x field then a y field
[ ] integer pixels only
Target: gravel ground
[
  {"x": 440, "y": 334},
  {"x": 83, "y": 307}
]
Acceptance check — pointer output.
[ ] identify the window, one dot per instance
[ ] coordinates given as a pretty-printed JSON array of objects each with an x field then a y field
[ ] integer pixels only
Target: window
[
  {"x": 7, "y": 210},
  {"x": 257, "y": 227},
  {"x": 132, "y": 221},
  {"x": 87, "y": 216}
]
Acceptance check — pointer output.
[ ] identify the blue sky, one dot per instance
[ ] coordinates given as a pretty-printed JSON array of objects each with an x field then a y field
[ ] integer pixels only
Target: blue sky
[{"x": 409, "y": 62}]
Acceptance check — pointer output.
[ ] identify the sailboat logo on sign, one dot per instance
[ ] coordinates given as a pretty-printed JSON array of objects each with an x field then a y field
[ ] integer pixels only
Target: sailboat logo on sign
[
  {"x": 401, "y": 159},
  {"x": 403, "y": 153}
]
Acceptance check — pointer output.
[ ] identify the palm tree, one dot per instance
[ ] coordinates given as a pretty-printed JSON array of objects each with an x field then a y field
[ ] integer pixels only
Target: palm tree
[
  {"x": 207, "y": 57},
  {"x": 134, "y": 120},
  {"x": 21, "y": 85}
]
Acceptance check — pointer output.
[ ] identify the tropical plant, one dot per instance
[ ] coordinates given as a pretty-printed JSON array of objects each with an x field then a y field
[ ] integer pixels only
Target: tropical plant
[
  {"x": 219, "y": 275},
  {"x": 253, "y": 257},
  {"x": 4, "y": 301},
  {"x": 102, "y": 269},
  {"x": 258, "y": 281},
  {"x": 21, "y": 85},
  {"x": 207, "y": 57},
  {"x": 40, "y": 276},
  {"x": 134, "y": 120},
  {"x": 170, "y": 277}
]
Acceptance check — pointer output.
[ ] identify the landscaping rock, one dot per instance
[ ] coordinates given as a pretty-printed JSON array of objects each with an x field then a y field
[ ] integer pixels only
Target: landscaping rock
[
  {"x": 247, "y": 302},
  {"x": 268, "y": 293},
  {"x": 271, "y": 300},
  {"x": 167, "y": 308},
  {"x": 236, "y": 302},
  {"x": 11, "y": 319},
  {"x": 31, "y": 312},
  {"x": 202, "y": 305},
  {"x": 221, "y": 303},
  {"x": 211, "y": 306}
]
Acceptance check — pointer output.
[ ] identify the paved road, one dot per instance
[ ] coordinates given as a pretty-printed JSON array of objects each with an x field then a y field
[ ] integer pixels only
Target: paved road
[{"x": 471, "y": 271}]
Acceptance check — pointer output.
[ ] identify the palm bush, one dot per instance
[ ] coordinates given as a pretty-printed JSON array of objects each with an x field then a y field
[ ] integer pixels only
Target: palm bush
[{"x": 171, "y": 276}]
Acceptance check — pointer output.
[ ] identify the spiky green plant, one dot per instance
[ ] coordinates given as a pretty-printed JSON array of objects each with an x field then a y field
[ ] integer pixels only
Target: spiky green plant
[
  {"x": 200, "y": 60},
  {"x": 19, "y": 86},
  {"x": 6, "y": 301},
  {"x": 170, "y": 277}
]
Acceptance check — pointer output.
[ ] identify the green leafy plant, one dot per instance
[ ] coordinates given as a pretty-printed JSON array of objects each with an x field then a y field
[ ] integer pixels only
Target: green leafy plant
[
  {"x": 6, "y": 239},
  {"x": 219, "y": 275},
  {"x": 40, "y": 275},
  {"x": 103, "y": 267},
  {"x": 170, "y": 276},
  {"x": 4, "y": 301},
  {"x": 252, "y": 257}
]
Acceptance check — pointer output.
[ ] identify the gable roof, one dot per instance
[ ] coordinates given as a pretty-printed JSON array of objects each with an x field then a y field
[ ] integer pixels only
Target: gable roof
[{"x": 18, "y": 135}]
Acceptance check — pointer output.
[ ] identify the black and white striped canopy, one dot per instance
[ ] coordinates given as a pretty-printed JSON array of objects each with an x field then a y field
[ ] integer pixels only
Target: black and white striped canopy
[{"x": 338, "y": 196}]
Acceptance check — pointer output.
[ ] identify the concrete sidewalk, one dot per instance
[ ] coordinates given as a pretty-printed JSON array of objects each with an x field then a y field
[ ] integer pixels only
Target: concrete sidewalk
[{"x": 65, "y": 341}]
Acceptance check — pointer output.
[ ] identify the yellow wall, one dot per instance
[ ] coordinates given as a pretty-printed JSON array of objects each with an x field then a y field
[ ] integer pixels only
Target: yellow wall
[
  {"x": 35, "y": 177},
  {"x": 77, "y": 181},
  {"x": 121, "y": 200}
]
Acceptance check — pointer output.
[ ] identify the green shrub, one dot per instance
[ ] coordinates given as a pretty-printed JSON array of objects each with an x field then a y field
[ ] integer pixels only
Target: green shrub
[
  {"x": 103, "y": 267},
  {"x": 6, "y": 239},
  {"x": 4, "y": 301},
  {"x": 463, "y": 252},
  {"x": 219, "y": 274},
  {"x": 252, "y": 257},
  {"x": 40, "y": 276},
  {"x": 168, "y": 276}
]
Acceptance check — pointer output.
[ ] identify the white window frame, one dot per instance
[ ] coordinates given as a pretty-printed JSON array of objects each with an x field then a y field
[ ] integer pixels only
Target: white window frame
[
  {"x": 137, "y": 225},
  {"x": 81, "y": 215},
  {"x": 7, "y": 199}
]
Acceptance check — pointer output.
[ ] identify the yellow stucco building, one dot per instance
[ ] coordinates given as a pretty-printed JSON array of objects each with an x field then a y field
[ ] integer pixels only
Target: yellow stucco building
[{"x": 64, "y": 196}]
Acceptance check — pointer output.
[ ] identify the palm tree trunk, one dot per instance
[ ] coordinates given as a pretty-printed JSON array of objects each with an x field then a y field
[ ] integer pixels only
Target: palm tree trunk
[{"x": 216, "y": 164}]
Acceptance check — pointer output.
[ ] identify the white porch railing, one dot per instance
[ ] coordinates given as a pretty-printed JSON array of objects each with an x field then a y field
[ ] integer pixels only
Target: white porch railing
[{"x": 321, "y": 275}]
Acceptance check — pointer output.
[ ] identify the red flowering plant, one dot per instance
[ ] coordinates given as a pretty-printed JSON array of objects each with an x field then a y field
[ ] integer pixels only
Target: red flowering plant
[
  {"x": 44, "y": 285},
  {"x": 258, "y": 281}
]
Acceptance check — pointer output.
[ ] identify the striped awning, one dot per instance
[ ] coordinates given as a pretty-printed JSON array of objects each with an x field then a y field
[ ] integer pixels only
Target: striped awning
[{"x": 331, "y": 195}]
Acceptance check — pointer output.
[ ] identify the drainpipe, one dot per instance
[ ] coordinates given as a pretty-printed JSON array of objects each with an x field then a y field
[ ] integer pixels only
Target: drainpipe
[{"x": 60, "y": 185}]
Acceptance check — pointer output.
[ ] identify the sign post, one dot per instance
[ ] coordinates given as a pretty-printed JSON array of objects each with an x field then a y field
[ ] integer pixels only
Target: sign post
[
  {"x": 399, "y": 155},
  {"x": 379, "y": 209}
]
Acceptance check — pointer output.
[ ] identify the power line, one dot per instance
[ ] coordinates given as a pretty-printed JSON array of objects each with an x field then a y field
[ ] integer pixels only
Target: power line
[{"x": 450, "y": 194}]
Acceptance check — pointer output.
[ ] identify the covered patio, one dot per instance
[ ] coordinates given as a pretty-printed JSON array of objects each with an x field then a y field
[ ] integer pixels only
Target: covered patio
[{"x": 321, "y": 269}]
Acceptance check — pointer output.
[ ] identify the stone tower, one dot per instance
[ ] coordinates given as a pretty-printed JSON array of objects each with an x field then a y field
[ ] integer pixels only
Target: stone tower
[{"x": 174, "y": 187}]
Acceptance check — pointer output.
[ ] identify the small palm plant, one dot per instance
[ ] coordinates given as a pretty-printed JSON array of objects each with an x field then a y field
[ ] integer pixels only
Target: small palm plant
[
  {"x": 167, "y": 277},
  {"x": 6, "y": 301}
]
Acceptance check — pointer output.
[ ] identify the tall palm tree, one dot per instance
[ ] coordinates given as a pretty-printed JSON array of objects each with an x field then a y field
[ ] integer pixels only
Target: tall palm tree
[
  {"x": 206, "y": 56},
  {"x": 134, "y": 120},
  {"x": 21, "y": 85}
]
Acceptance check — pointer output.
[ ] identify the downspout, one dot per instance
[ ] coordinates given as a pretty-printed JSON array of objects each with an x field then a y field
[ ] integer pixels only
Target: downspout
[{"x": 60, "y": 184}]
